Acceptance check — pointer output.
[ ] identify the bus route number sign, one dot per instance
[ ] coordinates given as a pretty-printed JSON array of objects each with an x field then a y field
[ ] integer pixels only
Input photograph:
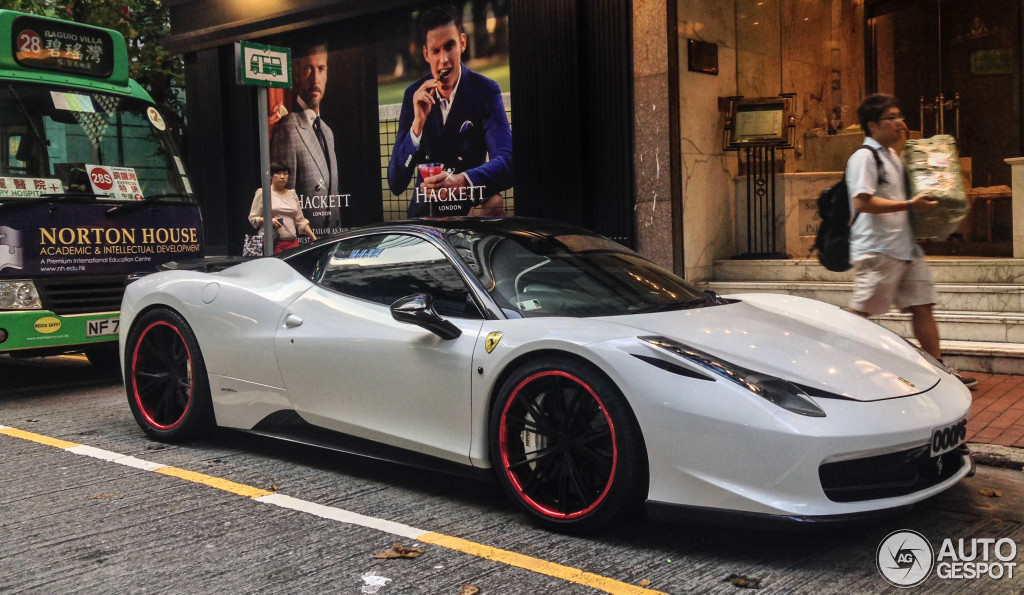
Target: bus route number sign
[{"x": 64, "y": 47}]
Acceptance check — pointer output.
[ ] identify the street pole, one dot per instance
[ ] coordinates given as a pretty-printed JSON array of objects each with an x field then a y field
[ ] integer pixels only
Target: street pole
[{"x": 262, "y": 115}]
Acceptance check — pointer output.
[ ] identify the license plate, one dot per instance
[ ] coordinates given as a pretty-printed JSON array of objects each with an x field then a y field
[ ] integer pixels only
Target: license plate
[
  {"x": 947, "y": 438},
  {"x": 103, "y": 327}
]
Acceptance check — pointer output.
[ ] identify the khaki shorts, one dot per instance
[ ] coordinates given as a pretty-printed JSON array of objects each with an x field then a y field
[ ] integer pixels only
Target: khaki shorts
[{"x": 880, "y": 281}]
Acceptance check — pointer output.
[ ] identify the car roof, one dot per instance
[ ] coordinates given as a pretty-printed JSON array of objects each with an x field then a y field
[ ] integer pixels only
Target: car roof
[{"x": 498, "y": 225}]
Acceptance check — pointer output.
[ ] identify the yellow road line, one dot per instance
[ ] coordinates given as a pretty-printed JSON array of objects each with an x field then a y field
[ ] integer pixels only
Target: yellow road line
[
  {"x": 33, "y": 437},
  {"x": 566, "y": 573},
  {"x": 214, "y": 482}
]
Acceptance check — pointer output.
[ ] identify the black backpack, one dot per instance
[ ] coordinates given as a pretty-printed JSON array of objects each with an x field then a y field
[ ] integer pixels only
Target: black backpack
[{"x": 833, "y": 240}]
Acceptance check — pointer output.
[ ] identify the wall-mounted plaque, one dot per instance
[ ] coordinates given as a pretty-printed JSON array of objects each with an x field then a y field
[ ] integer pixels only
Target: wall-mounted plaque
[
  {"x": 702, "y": 56},
  {"x": 992, "y": 62},
  {"x": 762, "y": 120}
]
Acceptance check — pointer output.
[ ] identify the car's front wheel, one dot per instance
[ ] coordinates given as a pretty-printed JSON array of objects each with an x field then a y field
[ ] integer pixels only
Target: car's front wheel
[
  {"x": 566, "y": 446},
  {"x": 165, "y": 378}
]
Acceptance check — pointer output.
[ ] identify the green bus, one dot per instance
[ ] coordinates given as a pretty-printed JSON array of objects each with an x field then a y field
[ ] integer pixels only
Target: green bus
[{"x": 93, "y": 190}]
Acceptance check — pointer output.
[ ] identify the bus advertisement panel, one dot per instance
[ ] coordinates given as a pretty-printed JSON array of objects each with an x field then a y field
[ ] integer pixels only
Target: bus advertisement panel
[{"x": 92, "y": 188}]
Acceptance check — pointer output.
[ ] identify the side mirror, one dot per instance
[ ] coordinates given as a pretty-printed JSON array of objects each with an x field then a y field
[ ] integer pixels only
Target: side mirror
[{"x": 418, "y": 309}]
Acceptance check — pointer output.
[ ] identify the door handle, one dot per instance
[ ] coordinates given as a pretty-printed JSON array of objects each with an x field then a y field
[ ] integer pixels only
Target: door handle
[{"x": 292, "y": 321}]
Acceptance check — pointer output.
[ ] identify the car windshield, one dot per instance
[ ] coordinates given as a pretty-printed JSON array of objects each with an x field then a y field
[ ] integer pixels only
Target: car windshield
[
  {"x": 75, "y": 144},
  {"x": 579, "y": 275}
]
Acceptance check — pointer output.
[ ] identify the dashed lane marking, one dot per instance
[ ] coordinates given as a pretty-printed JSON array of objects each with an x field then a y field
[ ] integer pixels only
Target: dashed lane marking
[{"x": 567, "y": 573}]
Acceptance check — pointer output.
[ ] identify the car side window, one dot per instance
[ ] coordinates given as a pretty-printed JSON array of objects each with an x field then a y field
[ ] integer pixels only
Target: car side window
[{"x": 382, "y": 268}]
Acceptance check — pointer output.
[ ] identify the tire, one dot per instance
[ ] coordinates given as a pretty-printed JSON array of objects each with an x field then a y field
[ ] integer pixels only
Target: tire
[
  {"x": 566, "y": 446},
  {"x": 165, "y": 378}
]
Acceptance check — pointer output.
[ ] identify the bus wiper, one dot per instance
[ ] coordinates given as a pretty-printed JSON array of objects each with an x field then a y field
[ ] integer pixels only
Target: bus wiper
[
  {"x": 60, "y": 195},
  {"x": 149, "y": 200}
]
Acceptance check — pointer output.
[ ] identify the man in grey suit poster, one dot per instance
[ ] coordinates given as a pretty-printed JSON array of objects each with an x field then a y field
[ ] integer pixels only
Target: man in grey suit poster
[{"x": 305, "y": 143}]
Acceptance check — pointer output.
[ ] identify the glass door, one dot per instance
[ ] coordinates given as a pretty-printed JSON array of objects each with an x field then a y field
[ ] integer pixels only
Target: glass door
[{"x": 955, "y": 67}]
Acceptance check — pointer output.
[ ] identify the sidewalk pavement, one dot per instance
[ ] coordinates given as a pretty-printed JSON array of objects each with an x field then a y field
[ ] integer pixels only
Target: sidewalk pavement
[{"x": 997, "y": 413}]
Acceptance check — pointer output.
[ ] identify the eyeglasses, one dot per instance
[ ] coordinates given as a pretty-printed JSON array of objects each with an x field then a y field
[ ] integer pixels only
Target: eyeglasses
[
  {"x": 899, "y": 118},
  {"x": 281, "y": 173}
]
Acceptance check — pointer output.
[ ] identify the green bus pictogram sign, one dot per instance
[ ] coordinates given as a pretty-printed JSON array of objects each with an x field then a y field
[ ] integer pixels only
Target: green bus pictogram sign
[{"x": 263, "y": 65}]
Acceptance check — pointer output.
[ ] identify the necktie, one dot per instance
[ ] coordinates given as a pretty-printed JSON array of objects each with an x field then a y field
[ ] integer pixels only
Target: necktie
[{"x": 323, "y": 142}]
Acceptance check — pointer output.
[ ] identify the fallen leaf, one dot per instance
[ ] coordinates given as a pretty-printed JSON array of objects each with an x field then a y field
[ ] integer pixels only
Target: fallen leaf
[
  {"x": 991, "y": 493},
  {"x": 645, "y": 583},
  {"x": 743, "y": 581},
  {"x": 400, "y": 551},
  {"x": 273, "y": 487},
  {"x": 469, "y": 590},
  {"x": 103, "y": 496}
]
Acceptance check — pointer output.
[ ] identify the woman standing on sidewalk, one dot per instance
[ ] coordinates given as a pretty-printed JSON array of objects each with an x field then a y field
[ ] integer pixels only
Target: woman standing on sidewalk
[{"x": 285, "y": 210}]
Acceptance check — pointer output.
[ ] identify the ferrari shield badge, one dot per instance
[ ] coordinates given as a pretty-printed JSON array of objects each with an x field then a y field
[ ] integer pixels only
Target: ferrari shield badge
[{"x": 492, "y": 341}]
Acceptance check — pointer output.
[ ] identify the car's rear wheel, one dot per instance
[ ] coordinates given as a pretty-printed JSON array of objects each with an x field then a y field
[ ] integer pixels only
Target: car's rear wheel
[
  {"x": 165, "y": 378},
  {"x": 566, "y": 446}
]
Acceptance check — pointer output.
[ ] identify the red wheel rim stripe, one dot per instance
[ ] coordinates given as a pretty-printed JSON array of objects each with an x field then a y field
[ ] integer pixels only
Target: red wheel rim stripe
[
  {"x": 135, "y": 388},
  {"x": 503, "y": 445}
]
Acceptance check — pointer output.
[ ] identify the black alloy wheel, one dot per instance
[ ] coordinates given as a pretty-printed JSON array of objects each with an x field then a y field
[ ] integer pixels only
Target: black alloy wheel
[
  {"x": 165, "y": 378},
  {"x": 567, "y": 447}
]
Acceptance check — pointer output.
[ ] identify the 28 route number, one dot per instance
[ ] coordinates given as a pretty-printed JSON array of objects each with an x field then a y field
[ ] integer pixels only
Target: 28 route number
[
  {"x": 101, "y": 178},
  {"x": 30, "y": 44}
]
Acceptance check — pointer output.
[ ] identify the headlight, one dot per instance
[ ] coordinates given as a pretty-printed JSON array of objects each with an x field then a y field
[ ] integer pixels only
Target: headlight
[
  {"x": 781, "y": 392},
  {"x": 19, "y": 295}
]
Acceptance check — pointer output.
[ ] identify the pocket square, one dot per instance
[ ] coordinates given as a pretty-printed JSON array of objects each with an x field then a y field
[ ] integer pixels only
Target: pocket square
[{"x": 465, "y": 127}]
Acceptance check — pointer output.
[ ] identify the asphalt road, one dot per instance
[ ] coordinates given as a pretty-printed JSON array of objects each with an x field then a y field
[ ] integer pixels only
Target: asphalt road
[{"x": 241, "y": 514}]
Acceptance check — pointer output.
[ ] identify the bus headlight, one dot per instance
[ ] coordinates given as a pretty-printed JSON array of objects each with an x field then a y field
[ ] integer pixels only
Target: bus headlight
[{"x": 19, "y": 295}]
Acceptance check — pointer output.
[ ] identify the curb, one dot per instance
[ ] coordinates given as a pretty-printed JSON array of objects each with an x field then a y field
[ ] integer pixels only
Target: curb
[{"x": 997, "y": 456}]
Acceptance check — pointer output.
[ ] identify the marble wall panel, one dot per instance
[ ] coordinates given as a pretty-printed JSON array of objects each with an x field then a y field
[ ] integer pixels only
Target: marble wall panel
[
  {"x": 708, "y": 208},
  {"x": 758, "y": 74},
  {"x": 758, "y": 47},
  {"x": 708, "y": 212},
  {"x": 1017, "y": 208},
  {"x": 651, "y": 149},
  {"x": 807, "y": 34}
]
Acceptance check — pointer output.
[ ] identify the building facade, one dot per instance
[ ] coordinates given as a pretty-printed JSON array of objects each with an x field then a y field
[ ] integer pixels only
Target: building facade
[{"x": 620, "y": 109}]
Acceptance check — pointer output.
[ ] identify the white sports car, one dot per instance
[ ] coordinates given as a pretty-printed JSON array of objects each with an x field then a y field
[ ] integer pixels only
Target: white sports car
[{"x": 588, "y": 380}]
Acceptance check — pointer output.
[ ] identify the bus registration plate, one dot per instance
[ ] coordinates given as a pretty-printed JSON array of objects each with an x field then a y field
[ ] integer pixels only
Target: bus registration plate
[{"x": 102, "y": 327}]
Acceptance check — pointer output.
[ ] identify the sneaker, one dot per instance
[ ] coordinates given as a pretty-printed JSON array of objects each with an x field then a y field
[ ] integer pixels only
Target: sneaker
[{"x": 967, "y": 380}]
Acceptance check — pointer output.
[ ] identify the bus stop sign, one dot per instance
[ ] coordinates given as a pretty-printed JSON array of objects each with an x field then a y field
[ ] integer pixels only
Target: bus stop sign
[{"x": 263, "y": 65}]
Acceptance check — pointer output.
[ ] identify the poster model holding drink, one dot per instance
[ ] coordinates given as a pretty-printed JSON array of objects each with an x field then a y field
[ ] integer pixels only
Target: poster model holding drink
[{"x": 454, "y": 119}]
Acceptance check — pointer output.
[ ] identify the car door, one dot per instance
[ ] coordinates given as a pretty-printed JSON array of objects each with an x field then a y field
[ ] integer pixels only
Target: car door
[{"x": 349, "y": 366}]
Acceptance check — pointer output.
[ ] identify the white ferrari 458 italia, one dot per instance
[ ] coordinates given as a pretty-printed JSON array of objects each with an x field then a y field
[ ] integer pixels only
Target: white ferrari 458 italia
[{"x": 586, "y": 379}]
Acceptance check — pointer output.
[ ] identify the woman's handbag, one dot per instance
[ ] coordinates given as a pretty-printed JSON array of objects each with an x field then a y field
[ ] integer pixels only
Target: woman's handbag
[{"x": 253, "y": 245}]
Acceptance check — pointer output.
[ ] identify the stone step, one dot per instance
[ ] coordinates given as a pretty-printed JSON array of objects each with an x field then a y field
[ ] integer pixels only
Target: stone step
[
  {"x": 989, "y": 271},
  {"x": 980, "y": 356},
  {"x": 963, "y": 326},
  {"x": 952, "y": 297}
]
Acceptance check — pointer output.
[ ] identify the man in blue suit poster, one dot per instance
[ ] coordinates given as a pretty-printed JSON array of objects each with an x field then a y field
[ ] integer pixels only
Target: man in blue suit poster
[{"x": 456, "y": 118}]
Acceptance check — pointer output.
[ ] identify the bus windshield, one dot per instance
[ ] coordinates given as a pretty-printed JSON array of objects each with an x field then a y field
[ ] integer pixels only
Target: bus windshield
[{"x": 75, "y": 144}]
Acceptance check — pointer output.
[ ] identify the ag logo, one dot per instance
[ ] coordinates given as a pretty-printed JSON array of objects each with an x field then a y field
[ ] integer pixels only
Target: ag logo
[
  {"x": 905, "y": 558},
  {"x": 492, "y": 341}
]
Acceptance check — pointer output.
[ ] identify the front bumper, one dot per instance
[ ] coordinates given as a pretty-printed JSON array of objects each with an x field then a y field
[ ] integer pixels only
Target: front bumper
[{"x": 29, "y": 330}]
